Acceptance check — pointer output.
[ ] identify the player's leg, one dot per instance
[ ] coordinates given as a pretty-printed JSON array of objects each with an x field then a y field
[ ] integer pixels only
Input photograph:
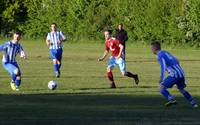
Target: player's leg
[
  {"x": 124, "y": 54},
  {"x": 57, "y": 62},
  {"x": 122, "y": 66},
  {"x": 111, "y": 65},
  {"x": 181, "y": 86},
  {"x": 13, "y": 70},
  {"x": 59, "y": 59},
  {"x": 167, "y": 95},
  {"x": 18, "y": 78},
  {"x": 131, "y": 75},
  {"x": 56, "y": 67},
  {"x": 168, "y": 83},
  {"x": 189, "y": 98},
  {"x": 53, "y": 55}
]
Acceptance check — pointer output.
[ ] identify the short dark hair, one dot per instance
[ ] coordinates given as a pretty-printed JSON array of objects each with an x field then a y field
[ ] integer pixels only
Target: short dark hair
[
  {"x": 156, "y": 44},
  {"x": 18, "y": 33},
  {"x": 109, "y": 31},
  {"x": 54, "y": 24}
]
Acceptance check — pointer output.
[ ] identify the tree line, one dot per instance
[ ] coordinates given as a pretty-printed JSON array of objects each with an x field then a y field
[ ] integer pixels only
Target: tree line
[{"x": 171, "y": 21}]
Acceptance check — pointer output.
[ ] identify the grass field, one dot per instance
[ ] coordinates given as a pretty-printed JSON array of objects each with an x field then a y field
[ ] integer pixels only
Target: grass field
[{"x": 83, "y": 96}]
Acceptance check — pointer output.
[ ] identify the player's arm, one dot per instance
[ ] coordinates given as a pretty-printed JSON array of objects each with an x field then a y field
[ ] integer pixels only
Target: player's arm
[
  {"x": 120, "y": 51},
  {"x": 22, "y": 53},
  {"x": 63, "y": 36},
  {"x": 48, "y": 43},
  {"x": 104, "y": 55},
  {"x": 162, "y": 69},
  {"x": 48, "y": 40},
  {"x": 3, "y": 46}
]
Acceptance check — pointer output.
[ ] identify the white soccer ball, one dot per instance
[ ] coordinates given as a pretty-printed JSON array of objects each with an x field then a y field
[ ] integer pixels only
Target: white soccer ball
[{"x": 52, "y": 85}]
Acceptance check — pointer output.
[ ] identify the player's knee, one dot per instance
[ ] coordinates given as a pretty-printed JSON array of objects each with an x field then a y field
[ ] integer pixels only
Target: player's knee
[
  {"x": 54, "y": 61},
  {"x": 16, "y": 71},
  {"x": 124, "y": 73},
  {"x": 18, "y": 77},
  {"x": 58, "y": 62},
  {"x": 109, "y": 69}
]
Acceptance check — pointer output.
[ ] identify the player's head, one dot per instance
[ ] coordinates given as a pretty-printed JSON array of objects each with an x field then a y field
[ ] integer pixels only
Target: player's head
[
  {"x": 16, "y": 36},
  {"x": 53, "y": 27},
  {"x": 107, "y": 34},
  {"x": 155, "y": 46},
  {"x": 120, "y": 26}
]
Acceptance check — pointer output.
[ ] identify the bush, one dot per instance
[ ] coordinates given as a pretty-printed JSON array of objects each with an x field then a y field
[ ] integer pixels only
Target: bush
[{"x": 172, "y": 21}]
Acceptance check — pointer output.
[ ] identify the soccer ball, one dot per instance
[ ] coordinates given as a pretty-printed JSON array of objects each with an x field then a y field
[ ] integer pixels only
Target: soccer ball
[{"x": 52, "y": 85}]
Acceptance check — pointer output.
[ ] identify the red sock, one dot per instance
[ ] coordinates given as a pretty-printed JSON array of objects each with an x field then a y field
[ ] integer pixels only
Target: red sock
[
  {"x": 129, "y": 74},
  {"x": 110, "y": 76}
]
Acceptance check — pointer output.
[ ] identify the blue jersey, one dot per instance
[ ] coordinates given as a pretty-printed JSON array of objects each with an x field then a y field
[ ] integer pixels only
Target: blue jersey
[
  {"x": 55, "y": 39},
  {"x": 10, "y": 51},
  {"x": 170, "y": 64}
]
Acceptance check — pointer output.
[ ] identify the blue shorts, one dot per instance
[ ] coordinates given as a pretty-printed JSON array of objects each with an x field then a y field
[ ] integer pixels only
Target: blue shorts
[
  {"x": 11, "y": 67},
  {"x": 170, "y": 81},
  {"x": 120, "y": 62},
  {"x": 56, "y": 54}
]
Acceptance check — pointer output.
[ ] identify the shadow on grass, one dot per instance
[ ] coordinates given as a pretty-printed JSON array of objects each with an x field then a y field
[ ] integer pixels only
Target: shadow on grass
[{"x": 93, "y": 109}]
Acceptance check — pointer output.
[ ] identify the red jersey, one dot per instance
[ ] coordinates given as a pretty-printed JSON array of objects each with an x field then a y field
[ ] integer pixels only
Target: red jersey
[{"x": 113, "y": 46}]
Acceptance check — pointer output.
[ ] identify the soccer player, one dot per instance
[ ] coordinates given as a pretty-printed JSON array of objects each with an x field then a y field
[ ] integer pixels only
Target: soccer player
[
  {"x": 122, "y": 36},
  {"x": 116, "y": 48},
  {"x": 170, "y": 63},
  {"x": 10, "y": 50},
  {"x": 54, "y": 42}
]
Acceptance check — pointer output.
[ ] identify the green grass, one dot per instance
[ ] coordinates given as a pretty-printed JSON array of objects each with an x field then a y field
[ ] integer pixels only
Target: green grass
[{"x": 83, "y": 96}]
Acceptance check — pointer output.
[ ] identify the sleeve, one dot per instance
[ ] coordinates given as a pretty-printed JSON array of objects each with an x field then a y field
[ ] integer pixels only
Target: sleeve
[
  {"x": 161, "y": 60},
  {"x": 48, "y": 36},
  {"x": 4, "y": 46},
  {"x": 62, "y": 35},
  {"x": 117, "y": 42}
]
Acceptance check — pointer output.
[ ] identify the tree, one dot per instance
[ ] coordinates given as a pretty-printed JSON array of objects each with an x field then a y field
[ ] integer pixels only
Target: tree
[{"x": 13, "y": 13}]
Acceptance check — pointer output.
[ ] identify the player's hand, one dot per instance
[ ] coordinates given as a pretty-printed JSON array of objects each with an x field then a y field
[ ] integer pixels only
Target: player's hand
[
  {"x": 118, "y": 57},
  {"x": 59, "y": 42},
  {"x": 100, "y": 59},
  {"x": 24, "y": 57}
]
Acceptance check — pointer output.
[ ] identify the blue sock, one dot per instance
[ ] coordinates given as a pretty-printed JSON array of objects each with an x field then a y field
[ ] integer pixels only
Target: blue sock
[
  {"x": 189, "y": 97},
  {"x": 56, "y": 67},
  {"x": 166, "y": 94},
  {"x": 18, "y": 82},
  {"x": 13, "y": 77},
  {"x": 59, "y": 65}
]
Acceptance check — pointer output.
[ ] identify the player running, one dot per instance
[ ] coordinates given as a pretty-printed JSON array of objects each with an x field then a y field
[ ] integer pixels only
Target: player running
[
  {"x": 116, "y": 48},
  {"x": 10, "y": 50},
  {"x": 176, "y": 76},
  {"x": 54, "y": 42}
]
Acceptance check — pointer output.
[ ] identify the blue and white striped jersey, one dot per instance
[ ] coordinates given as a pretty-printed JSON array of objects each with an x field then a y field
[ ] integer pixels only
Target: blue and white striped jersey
[
  {"x": 10, "y": 51},
  {"x": 56, "y": 39},
  {"x": 169, "y": 63}
]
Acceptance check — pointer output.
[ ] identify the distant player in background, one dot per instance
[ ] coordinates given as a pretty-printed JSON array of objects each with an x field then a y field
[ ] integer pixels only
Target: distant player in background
[
  {"x": 176, "y": 76},
  {"x": 10, "y": 50},
  {"x": 116, "y": 48},
  {"x": 122, "y": 36},
  {"x": 54, "y": 42}
]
